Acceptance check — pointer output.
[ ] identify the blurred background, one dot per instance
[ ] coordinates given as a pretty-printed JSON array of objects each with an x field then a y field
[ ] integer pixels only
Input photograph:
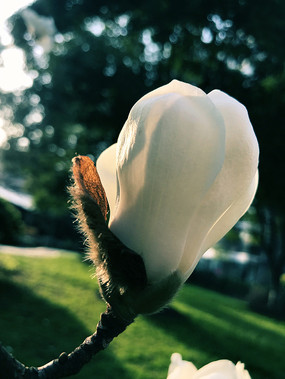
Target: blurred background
[{"x": 70, "y": 70}]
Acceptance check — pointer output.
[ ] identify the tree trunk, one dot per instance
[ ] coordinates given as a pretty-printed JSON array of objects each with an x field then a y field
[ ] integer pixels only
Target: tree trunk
[{"x": 273, "y": 243}]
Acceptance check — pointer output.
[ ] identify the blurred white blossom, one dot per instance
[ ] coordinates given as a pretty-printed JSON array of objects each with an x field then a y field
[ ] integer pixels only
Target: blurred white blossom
[{"x": 222, "y": 369}]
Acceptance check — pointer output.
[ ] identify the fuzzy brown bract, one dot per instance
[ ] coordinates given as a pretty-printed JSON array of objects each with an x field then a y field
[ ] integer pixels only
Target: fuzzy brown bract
[{"x": 118, "y": 269}]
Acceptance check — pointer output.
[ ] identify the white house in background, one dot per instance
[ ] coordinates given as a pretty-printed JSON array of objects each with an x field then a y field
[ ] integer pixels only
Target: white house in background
[{"x": 20, "y": 200}]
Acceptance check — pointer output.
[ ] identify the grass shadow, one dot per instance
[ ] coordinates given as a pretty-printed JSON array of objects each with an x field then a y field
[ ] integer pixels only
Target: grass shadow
[
  {"x": 36, "y": 331},
  {"x": 213, "y": 326}
]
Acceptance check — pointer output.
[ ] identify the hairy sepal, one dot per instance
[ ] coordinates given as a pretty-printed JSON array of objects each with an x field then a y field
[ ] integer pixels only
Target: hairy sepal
[{"x": 118, "y": 268}]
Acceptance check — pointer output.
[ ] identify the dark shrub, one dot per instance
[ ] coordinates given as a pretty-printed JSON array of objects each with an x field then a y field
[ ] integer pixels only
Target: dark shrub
[
  {"x": 226, "y": 285},
  {"x": 11, "y": 224},
  {"x": 258, "y": 299}
]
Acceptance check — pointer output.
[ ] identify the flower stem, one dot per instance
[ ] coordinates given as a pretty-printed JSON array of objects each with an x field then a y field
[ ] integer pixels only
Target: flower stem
[{"x": 109, "y": 327}]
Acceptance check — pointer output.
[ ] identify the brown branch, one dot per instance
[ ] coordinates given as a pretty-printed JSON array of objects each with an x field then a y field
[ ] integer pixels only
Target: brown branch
[
  {"x": 109, "y": 327},
  {"x": 121, "y": 274}
]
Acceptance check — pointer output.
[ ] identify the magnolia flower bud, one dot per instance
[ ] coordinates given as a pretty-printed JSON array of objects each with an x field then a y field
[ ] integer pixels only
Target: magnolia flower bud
[
  {"x": 222, "y": 369},
  {"x": 182, "y": 173}
]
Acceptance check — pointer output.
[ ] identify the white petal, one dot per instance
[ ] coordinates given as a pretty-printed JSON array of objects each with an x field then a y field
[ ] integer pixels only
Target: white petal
[
  {"x": 175, "y": 86},
  {"x": 234, "y": 187},
  {"x": 222, "y": 369},
  {"x": 222, "y": 225},
  {"x": 168, "y": 156},
  {"x": 106, "y": 167},
  {"x": 231, "y": 216},
  {"x": 179, "y": 369},
  {"x": 241, "y": 372},
  {"x": 241, "y": 140}
]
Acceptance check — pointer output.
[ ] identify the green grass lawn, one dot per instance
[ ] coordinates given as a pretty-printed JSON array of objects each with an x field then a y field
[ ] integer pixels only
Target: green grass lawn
[{"x": 49, "y": 305}]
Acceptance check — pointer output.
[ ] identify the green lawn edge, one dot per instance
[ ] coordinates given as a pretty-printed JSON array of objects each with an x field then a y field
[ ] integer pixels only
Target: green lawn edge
[{"x": 51, "y": 304}]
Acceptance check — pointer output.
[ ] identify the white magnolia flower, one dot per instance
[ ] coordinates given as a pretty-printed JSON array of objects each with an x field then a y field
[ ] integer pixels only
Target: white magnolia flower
[
  {"x": 182, "y": 173},
  {"x": 222, "y": 369}
]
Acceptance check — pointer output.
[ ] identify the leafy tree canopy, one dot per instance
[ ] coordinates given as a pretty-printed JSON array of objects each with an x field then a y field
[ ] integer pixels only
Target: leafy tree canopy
[{"x": 94, "y": 60}]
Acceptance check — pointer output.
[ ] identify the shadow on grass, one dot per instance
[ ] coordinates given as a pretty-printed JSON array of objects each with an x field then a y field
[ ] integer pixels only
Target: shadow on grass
[
  {"x": 223, "y": 333},
  {"x": 231, "y": 311},
  {"x": 37, "y": 331}
]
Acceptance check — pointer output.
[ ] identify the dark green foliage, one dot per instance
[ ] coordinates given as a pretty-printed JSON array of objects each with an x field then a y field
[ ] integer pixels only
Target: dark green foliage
[
  {"x": 11, "y": 224},
  {"x": 225, "y": 285},
  {"x": 88, "y": 82}
]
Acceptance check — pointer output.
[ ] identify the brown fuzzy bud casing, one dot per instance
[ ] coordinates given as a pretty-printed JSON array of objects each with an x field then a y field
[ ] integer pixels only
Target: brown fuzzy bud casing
[
  {"x": 120, "y": 271},
  {"x": 117, "y": 267}
]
